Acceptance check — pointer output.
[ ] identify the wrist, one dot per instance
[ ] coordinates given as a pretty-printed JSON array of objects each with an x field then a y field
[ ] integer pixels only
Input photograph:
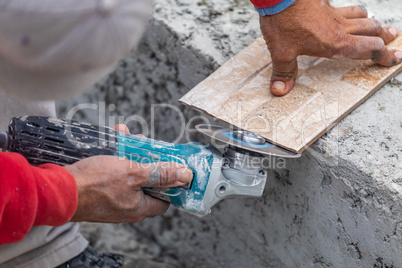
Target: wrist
[
  {"x": 78, "y": 215},
  {"x": 266, "y": 8}
]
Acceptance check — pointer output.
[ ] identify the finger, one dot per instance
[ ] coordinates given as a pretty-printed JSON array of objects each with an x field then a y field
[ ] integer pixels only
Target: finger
[
  {"x": 353, "y": 12},
  {"x": 387, "y": 57},
  {"x": 165, "y": 174},
  {"x": 284, "y": 72},
  {"x": 122, "y": 128},
  {"x": 388, "y": 34},
  {"x": 153, "y": 207},
  {"x": 365, "y": 47},
  {"x": 371, "y": 27}
]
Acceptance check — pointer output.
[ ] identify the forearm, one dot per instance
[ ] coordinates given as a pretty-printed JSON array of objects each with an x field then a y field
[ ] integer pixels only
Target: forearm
[{"x": 30, "y": 196}]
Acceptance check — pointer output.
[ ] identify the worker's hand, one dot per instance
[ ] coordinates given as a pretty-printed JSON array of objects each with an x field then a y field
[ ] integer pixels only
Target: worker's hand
[
  {"x": 313, "y": 27},
  {"x": 110, "y": 188}
]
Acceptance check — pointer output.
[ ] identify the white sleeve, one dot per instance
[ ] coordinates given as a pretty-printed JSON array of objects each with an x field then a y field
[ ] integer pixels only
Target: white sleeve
[{"x": 53, "y": 49}]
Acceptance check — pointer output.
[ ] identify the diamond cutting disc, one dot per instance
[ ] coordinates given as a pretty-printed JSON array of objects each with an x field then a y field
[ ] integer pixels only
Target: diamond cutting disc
[{"x": 245, "y": 140}]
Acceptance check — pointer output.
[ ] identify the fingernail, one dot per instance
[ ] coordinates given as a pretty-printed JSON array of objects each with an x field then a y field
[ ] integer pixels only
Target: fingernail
[
  {"x": 392, "y": 30},
  {"x": 279, "y": 85},
  {"x": 184, "y": 175},
  {"x": 398, "y": 54}
]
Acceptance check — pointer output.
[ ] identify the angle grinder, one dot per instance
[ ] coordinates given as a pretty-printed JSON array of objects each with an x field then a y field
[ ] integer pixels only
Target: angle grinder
[{"x": 235, "y": 172}]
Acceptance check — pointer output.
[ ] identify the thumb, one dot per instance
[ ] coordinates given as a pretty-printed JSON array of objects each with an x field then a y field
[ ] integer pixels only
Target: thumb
[
  {"x": 168, "y": 174},
  {"x": 284, "y": 73}
]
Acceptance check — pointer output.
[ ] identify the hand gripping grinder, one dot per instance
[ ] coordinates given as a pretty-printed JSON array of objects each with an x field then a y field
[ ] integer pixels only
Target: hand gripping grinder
[{"x": 238, "y": 171}]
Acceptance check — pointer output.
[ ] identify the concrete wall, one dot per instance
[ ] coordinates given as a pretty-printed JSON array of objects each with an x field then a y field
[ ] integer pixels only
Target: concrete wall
[{"x": 339, "y": 205}]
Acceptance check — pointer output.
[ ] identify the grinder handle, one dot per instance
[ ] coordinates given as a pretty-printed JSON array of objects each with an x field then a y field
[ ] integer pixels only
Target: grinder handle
[{"x": 49, "y": 140}]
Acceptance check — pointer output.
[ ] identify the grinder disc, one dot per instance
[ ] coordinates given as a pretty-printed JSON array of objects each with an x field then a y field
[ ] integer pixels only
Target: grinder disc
[{"x": 245, "y": 140}]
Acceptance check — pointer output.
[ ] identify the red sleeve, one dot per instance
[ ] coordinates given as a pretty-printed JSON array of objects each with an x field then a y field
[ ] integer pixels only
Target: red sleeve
[
  {"x": 30, "y": 196},
  {"x": 265, "y": 3}
]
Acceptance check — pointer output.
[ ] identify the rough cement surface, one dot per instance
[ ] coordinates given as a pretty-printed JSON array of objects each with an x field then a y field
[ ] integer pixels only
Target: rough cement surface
[
  {"x": 185, "y": 41},
  {"x": 138, "y": 249},
  {"x": 339, "y": 205}
]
